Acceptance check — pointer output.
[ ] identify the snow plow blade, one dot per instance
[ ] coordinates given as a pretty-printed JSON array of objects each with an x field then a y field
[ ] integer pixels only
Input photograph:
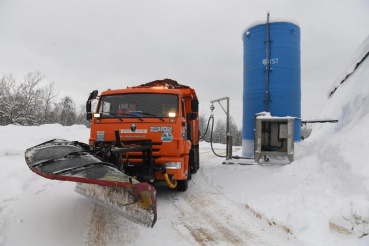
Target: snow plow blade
[{"x": 98, "y": 180}]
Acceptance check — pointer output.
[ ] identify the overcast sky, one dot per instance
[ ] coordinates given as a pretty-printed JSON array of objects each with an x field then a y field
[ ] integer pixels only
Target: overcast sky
[{"x": 91, "y": 44}]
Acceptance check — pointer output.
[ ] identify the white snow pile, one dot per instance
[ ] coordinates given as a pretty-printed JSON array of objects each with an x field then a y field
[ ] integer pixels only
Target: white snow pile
[
  {"x": 350, "y": 136},
  {"x": 19, "y": 138},
  {"x": 31, "y": 206}
]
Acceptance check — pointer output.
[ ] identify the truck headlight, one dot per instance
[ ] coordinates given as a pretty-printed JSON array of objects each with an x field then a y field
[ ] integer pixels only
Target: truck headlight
[
  {"x": 173, "y": 165},
  {"x": 97, "y": 115},
  {"x": 172, "y": 115}
]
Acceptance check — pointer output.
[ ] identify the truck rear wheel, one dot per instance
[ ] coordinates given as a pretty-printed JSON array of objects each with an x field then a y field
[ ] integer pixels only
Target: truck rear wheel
[
  {"x": 192, "y": 161},
  {"x": 197, "y": 157},
  {"x": 189, "y": 174},
  {"x": 182, "y": 185}
]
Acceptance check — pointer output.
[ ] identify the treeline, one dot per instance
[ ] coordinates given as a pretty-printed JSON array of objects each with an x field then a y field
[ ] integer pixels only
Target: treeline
[
  {"x": 25, "y": 102},
  {"x": 220, "y": 130}
]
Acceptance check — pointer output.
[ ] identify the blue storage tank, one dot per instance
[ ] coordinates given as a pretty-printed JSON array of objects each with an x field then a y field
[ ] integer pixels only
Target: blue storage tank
[{"x": 284, "y": 76}]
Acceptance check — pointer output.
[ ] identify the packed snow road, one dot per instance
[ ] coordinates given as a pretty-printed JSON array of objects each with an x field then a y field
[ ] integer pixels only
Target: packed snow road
[{"x": 199, "y": 216}]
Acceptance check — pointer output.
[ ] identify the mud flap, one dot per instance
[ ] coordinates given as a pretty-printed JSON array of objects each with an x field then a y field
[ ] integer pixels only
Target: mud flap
[{"x": 98, "y": 180}]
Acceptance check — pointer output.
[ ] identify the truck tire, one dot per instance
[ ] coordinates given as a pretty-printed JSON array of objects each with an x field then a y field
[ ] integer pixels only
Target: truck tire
[
  {"x": 192, "y": 160},
  {"x": 182, "y": 185},
  {"x": 197, "y": 157},
  {"x": 189, "y": 173}
]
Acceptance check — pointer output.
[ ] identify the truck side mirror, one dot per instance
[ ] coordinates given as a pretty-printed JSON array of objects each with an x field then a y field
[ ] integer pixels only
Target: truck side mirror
[
  {"x": 191, "y": 116},
  {"x": 89, "y": 116},
  {"x": 88, "y": 106},
  {"x": 93, "y": 95},
  {"x": 195, "y": 105}
]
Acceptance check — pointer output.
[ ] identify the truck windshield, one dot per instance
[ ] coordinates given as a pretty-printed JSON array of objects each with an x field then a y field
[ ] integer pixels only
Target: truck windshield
[{"x": 138, "y": 105}]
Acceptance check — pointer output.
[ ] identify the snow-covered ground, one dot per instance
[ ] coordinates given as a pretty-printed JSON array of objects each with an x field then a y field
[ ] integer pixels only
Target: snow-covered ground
[{"x": 224, "y": 205}]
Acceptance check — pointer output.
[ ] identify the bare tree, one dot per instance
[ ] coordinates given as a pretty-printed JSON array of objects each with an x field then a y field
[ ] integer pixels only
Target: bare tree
[
  {"x": 20, "y": 101},
  {"x": 219, "y": 134},
  {"x": 68, "y": 114},
  {"x": 25, "y": 102},
  {"x": 233, "y": 130},
  {"x": 203, "y": 122},
  {"x": 238, "y": 139},
  {"x": 81, "y": 117},
  {"x": 6, "y": 95},
  {"x": 49, "y": 95}
]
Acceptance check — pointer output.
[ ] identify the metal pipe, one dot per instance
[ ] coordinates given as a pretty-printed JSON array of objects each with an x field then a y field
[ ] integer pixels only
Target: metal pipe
[
  {"x": 267, "y": 68},
  {"x": 220, "y": 99},
  {"x": 228, "y": 137}
]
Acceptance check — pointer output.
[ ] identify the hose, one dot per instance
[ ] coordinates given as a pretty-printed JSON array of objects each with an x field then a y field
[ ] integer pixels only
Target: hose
[
  {"x": 211, "y": 141},
  {"x": 170, "y": 184},
  {"x": 211, "y": 137},
  {"x": 206, "y": 131}
]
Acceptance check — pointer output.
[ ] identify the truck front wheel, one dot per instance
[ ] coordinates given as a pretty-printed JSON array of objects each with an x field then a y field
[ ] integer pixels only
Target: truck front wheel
[{"x": 182, "y": 185}]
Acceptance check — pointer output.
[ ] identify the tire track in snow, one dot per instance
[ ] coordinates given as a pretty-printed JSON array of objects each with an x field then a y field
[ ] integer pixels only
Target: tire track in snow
[
  {"x": 199, "y": 216},
  {"x": 106, "y": 228},
  {"x": 211, "y": 219}
]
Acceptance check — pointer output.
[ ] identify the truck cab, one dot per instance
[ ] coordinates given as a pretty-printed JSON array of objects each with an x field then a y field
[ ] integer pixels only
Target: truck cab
[{"x": 163, "y": 114}]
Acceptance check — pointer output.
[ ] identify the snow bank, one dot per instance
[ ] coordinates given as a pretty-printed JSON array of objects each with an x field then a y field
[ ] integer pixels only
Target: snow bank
[
  {"x": 30, "y": 204},
  {"x": 336, "y": 155},
  {"x": 333, "y": 162},
  {"x": 16, "y": 139},
  {"x": 350, "y": 105}
]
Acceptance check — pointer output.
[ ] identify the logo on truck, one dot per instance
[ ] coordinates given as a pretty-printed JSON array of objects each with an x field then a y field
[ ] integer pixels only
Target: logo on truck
[
  {"x": 130, "y": 131},
  {"x": 161, "y": 129},
  {"x": 100, "y": 136},
  {"x": 167, "y": 137},
  {"x": 133, "y": 127}
]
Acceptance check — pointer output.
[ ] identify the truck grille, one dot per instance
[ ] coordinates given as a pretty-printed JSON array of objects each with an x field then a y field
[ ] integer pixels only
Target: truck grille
[{"x": 156, "y": 146}]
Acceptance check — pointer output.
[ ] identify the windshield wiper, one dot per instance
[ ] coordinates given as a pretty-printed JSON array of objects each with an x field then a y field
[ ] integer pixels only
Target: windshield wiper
[
  {"x": 135, "y": 116},
  {"x": 110, "y": 113},
  {"x": 153, "y": 115}
]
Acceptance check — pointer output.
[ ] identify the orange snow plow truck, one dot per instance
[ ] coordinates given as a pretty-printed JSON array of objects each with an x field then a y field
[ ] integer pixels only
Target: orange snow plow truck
[{"x": 139, "y": 135}]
